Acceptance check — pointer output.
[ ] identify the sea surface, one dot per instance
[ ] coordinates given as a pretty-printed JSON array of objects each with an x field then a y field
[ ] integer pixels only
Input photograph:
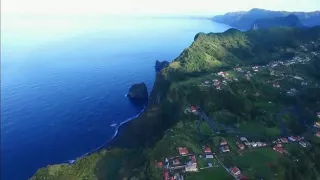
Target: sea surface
[{"x": 64, "y": 80}]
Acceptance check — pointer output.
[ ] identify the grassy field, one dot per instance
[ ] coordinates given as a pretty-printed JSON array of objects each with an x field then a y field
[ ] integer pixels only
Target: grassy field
[
  {"x": 253, "y": 162},
  {"x": 210, "y": 173}
]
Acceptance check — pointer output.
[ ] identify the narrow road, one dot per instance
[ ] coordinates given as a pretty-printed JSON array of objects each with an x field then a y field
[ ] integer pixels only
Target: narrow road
[
  {"x": 210, "y": 122},
  {"x": 224, "y": 166}
]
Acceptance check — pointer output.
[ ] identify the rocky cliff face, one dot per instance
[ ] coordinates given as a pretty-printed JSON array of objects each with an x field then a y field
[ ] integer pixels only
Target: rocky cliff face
[
  {"x": 160, "y": 65},
  {"x": 138, "y": 92}
]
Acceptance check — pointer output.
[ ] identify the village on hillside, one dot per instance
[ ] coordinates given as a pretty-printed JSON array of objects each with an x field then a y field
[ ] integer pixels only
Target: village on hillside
[
  {"x": 185, "y": 161},
  {"x": 232, "y": 142}
]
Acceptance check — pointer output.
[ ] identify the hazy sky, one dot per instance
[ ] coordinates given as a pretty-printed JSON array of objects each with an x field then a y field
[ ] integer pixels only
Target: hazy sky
[{"x": 155, "y": 7}]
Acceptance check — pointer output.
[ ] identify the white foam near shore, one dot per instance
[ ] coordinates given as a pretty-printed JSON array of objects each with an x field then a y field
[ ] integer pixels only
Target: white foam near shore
[
  {"x": 72, "y": 161},
  {"x": 113, "y": 125}
]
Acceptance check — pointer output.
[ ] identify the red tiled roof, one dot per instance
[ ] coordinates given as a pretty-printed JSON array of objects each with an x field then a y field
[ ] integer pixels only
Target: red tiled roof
[
  {"x": 279, "y": 149},
  {"x": 159, "y": 164},
  {"x": 243, "y": 177},
  {"x": 207, "y": 150},
  {"x": 165, "y": 175},
  {"x": 241, "y": 146},
  {"x": 193, "y": 158},
  {"x": 279, "y": 145},
  {"x": 235, "y": 170},
  {"x": 318, "y": 134},
  {"x": 183, "y": 151},
  {"x": 223, "y": 141}
]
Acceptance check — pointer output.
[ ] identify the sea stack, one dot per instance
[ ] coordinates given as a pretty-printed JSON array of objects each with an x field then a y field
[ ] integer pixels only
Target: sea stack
[
  {"x": 138, "y": 92},
  {"x": 160, "y": 65}
]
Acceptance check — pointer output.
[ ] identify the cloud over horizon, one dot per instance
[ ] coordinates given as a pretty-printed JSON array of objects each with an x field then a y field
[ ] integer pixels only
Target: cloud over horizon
[{"x": 151, "y": 7}]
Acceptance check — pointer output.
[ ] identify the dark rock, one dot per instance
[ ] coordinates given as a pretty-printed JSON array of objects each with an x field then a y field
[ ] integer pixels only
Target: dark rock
[
  {"x": 138, "y": 92},
  {"x": 160, "y": 65}
]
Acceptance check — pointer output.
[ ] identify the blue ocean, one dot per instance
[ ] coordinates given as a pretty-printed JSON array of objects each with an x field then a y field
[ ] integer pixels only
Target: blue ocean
[{"x": 64, "y": 81}]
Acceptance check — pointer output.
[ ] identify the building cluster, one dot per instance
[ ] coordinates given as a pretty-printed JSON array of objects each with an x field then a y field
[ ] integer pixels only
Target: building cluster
[
  {"x": 284, "y": 140},
  {"x": 224, "y": 147},
  {"x": 255, "y": 68},
  {"x": 292, "y": 92},
  {"x": 185, "y": 162},
  {"x": 175, "y": 176},
  {"x": 217, "y": 83},
  {"x": 295, "y": 60},
  {"x": 279, "y": 148},
  {"x": 303, "y": 47},
  {"x": 317, "y": 125},
  {"x": 248, "y": 75},
  {"x": 223, "y": 74},
  {"x": 207, "y": 152},
  {"x": 235, "y": 171},
  {"x": 191, "y": 109},
  {"x": 238, "y": 69},
  {"x": 251, "y": 144},
  {"x": 276, "y": 84}
]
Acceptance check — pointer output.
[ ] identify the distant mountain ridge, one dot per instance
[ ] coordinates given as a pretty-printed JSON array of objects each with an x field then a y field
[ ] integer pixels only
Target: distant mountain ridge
[
  {"x": 244, "y": 19},
  {"x": 288, "y": 21}
]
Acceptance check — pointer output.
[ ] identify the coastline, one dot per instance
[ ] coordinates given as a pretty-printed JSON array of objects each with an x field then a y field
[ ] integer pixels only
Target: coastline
[{"x": 104, "y": 145}]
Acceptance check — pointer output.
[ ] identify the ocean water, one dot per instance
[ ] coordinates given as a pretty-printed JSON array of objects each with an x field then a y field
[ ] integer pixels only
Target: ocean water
[{"x": 64, "y": 80}]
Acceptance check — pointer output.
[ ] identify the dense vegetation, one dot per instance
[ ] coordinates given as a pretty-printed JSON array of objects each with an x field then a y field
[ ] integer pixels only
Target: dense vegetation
[
  {"x": 220, "y": 51},
  {"x": 244, "y": 20},
  {"x": 287, "y": 21},
  {"x": 164, "y": 125}
]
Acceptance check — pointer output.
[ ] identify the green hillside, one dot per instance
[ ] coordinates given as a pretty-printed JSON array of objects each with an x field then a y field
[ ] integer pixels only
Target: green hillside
[{"x": 259, "y": 84}]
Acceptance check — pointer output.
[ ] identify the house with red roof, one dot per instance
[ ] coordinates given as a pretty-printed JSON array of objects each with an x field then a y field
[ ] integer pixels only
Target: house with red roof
[
  {"x": 279, "y": 145},
  {"x": 160, "y": 164},
  {"x": 207, "y": 150},
  {"x": 193, "y": 159},
  {"x": 223, "y": 142},
  {"x": 182, "y": 151},
  {"x": 284, "y": 140},
  {"x": 235, "y": 171},
  {"x": 166, "y": 175},
  {"x": 243, "y": 177},
  {"x": 191, "y": 166},
  {"x": 279, "y": 148},
  {"x": 241, "y": 146},
  {"x": 318, "y": 134},
  {"x": 193, "y": 109}
]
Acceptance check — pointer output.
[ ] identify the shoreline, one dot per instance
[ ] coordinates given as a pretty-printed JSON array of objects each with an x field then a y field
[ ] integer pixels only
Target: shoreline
[{"x": 104, "y": 145}]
